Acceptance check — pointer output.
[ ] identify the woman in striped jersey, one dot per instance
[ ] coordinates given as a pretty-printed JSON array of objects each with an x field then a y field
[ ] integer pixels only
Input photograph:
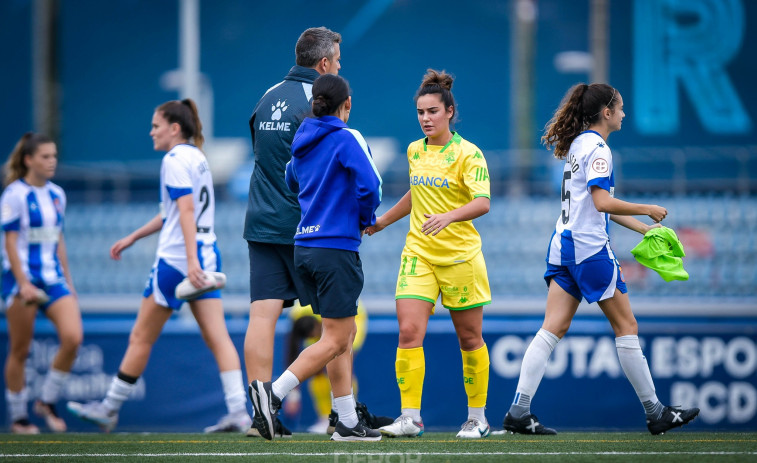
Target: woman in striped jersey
[
  {"x": 186, "y": 249},
  {"x": 580, "y": 261},
  {"x": 36, "y": 277}
]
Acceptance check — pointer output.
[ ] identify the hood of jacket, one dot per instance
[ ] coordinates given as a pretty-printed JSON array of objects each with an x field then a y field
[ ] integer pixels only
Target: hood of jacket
[{"x": 312, "y": 132}]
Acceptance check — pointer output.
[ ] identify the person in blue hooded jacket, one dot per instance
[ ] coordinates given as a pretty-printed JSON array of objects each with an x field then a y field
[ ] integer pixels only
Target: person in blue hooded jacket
[{"x": 338, "y": 189}]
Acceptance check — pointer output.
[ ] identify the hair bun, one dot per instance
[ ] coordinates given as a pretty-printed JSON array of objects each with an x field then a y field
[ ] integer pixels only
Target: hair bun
[{"x": 440, "y": 78}]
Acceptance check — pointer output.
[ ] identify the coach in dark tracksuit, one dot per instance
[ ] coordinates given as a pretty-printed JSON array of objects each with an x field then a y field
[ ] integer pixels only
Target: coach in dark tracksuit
[
  {"x": 338, "y": 190},
  {"x": 272, "y": 209}
]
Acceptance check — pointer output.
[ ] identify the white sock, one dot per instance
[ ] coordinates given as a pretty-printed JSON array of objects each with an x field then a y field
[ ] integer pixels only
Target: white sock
[
  {"x": 233, "y": 391},
  {"x": 286, "y": 382},
  {"x": 346, "y": 409},
  {"x": 333, "y": 404},
  {"x": 354, "y": 399},
  {"x": 117, "y": 394},
  {"x": 53, "y": 384},
  {"x": 635, "y": 367},
  {"x": 477, "y": 413},
  {"x": 17, "y": 402},
  {"x": 414, "y": 413},
  {"x": 532, "y": 371}
]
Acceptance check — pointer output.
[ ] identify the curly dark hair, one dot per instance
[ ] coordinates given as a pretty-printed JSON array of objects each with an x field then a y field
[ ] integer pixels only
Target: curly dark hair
[{"x": 579, "y": 109}]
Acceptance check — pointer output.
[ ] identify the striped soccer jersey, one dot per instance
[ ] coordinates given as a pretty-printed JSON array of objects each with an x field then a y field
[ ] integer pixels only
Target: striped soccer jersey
[
  {"x": 581, "y": 230},
  {"x": 36, "y": 213},
  {"x": 184, "y": 171}
]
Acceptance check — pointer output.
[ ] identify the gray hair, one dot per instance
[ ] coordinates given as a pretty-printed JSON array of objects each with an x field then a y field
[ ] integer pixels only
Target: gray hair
[{"x": 315, "y": 43}]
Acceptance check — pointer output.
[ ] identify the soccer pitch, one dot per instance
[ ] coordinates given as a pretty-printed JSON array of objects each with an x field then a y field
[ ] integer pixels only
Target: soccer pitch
[{"x": 432, "y": 447}]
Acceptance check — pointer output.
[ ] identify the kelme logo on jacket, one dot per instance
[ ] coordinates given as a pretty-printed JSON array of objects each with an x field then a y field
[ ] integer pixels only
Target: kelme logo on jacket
[
  {"x": 308, "y": 229},
  {"x": 277, "y": 111}
]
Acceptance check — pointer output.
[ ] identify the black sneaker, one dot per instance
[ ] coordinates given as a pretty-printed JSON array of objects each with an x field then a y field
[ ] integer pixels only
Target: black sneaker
[
  {"x": 266, "y": 406},
  {"x": 333, "y": 419},
  {"x": 359, "y": 433},
  {"x": 369, "y": 419},
  {"x": 280, "y": 430},
  {"x": 528, "y": 424},
  {"x": 671, "y": 418}
]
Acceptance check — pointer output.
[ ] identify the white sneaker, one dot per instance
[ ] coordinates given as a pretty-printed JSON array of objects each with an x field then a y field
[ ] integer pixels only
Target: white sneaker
[
  {"x": 404, "y": 426},
  {"x": 320, "y": 426},
  {"x": 232, "y": 422},
  {"x": 474, "y": 429},
  {"x": 95, "y": 412}
]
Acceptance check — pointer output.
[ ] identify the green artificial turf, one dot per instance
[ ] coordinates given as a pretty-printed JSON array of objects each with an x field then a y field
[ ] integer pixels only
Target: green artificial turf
[{"x": 432, "y": 447}]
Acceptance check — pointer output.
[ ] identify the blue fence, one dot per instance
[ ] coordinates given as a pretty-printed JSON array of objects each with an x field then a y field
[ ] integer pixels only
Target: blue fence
[
  {"x": 719, "y": 234},
  {"x": 708, "y": 363}
]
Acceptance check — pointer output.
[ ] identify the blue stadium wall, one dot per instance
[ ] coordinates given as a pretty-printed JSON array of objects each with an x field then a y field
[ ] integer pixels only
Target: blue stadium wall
[
  {"x": 684, "y": 68},
  {"x": 710, "y": 363}
]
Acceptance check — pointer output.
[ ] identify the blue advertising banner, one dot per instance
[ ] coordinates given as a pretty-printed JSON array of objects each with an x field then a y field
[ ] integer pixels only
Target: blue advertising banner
[{"x": 707, "y": 363}]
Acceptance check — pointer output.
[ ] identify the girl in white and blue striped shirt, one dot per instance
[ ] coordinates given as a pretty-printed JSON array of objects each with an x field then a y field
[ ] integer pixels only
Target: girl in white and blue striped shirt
[{"x": 35, "y": 276}]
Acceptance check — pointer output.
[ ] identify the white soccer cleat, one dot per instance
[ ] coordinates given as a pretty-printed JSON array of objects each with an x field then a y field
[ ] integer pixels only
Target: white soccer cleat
[
  {"x": 95, "y": 412},
  {"x": 474, "y": 429},
  {"x": 232, "y": 422},
  {"x": 187, "y": 291},
  {"x": 404, "y": 426},
  {"x": 320, "y": 426}
]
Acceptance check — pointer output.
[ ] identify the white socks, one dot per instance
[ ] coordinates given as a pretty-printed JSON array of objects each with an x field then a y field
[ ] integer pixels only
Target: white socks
[
  {"x": 635, "y": 367},
  {"x": 53, "y": 384},
  {"x": 477, "y": 413},
  {"x": 532, "y": 371},
  {"x": 17, "y": 402},
  {"x": 345, "y": 407},
  {"x": 233, "y": 391},
  {"x": 414, "y": 413},
  {"x": 117, "y": 394},
  {"x": 286, "y": 382}
]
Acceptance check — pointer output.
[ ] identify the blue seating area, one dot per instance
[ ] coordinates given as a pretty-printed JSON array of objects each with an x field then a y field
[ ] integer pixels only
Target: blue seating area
[{"x": 718, "y": 233}]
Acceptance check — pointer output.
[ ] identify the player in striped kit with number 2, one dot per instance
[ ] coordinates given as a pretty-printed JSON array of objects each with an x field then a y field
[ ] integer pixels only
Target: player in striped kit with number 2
[
  {"x": 186, "y": 249},
  {"x": 580, "y": 262}
]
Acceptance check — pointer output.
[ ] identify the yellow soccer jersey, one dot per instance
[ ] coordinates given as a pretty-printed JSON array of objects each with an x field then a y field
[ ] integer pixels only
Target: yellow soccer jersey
[{"x": 443, "y": 178}]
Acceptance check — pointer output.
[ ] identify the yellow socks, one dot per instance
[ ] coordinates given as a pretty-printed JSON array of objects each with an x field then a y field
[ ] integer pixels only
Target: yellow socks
[
  {"x": 320, "y": 391},
  {"x": 475, "y": 375},
  {"x": 411, "y": 369}
]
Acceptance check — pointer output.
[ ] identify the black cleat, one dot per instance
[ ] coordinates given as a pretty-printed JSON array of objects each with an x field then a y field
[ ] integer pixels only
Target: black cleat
[
  {"x": 333, "y": 419},
  {"x": 359, "y": 433},
  {"x": 369, "y": 419},
  {"x": 280, "y": 431},
  {"x": 671, "y": 418},
  {"x": 528, "y": 424}
]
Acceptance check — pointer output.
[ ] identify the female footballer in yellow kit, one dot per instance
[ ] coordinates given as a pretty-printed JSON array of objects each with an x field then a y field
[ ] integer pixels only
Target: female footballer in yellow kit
[{"x": 449, "y": 187}]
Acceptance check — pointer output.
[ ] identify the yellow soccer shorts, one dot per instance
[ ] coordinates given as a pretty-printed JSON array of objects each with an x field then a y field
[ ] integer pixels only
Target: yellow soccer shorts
[{"x": 463, "y": 285}]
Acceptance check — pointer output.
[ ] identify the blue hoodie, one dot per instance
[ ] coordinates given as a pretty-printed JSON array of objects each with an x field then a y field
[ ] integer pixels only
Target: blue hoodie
[{"x": 337, "y": 184}]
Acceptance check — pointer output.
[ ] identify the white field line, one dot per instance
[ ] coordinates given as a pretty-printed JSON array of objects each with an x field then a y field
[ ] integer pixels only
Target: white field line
[{"x": 326, "y": 454}]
